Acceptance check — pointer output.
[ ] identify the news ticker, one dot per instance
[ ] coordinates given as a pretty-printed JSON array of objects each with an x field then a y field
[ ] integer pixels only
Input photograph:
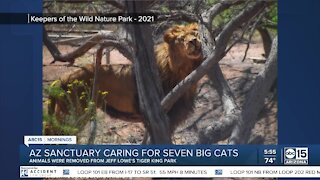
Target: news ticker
[
  {"x": 169, "y": 155},
  {"x": 59, "y": 18},
  {"x": 168, "y": 172}
]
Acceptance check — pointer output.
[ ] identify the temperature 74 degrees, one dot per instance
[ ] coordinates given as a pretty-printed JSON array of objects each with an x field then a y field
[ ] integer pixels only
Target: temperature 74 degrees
[{"x": 269, "y": 160}]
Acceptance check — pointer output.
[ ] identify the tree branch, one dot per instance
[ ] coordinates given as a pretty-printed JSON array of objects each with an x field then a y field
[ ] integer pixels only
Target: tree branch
[
  {"x": 221, "y": 129},
  {"x": 105, "y": 39},
  {"x": 253, "y": 28},
  {"x": 211, "y": 13},
  {"x": 123, "y": 47},
  {"x": 74, "y": 41},
  {"x": 94, "y": 40}
]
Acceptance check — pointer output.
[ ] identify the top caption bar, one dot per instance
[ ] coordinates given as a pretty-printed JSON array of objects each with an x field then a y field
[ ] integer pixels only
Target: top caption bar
[{"x": 25, "y": 18}]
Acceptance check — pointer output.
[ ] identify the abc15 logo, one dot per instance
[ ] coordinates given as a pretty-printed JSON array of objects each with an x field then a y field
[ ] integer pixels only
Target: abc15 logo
[{"x": 299, "y": 153}]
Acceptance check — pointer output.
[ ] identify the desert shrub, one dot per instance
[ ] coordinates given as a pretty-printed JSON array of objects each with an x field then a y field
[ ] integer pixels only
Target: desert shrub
[{"x": 80, "y": 107}]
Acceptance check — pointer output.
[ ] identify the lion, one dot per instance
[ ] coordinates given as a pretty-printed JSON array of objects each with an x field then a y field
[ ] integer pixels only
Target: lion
[{"x": 176, "y": 57}]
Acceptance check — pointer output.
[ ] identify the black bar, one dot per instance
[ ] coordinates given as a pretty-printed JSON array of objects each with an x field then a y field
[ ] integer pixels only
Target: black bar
[{"x": 36, "y": 18}]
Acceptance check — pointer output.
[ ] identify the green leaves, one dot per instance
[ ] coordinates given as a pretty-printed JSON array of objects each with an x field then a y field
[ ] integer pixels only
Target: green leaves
[{"x": 79, "y": 108}]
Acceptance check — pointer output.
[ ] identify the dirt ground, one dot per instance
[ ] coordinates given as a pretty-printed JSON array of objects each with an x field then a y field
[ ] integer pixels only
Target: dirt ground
[{"x": 240, "y": 76}]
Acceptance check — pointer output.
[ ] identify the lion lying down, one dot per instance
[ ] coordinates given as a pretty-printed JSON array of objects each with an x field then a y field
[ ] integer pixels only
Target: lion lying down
[{"x": 177, "y": 56}]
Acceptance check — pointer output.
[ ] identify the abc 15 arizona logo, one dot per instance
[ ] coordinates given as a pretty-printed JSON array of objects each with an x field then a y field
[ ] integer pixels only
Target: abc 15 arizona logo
[{"x": 295, "y": 156}]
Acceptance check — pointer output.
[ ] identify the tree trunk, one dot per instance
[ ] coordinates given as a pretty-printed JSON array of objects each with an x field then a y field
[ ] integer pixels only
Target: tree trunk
[
  {"x": 147, "y": 78},
  {"x": 266, "y": 40},
  {"x": 50, "y": 45}
]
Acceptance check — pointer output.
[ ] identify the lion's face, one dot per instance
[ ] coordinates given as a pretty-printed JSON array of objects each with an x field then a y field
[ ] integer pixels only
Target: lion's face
[{"x": 185, "y": 41}]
